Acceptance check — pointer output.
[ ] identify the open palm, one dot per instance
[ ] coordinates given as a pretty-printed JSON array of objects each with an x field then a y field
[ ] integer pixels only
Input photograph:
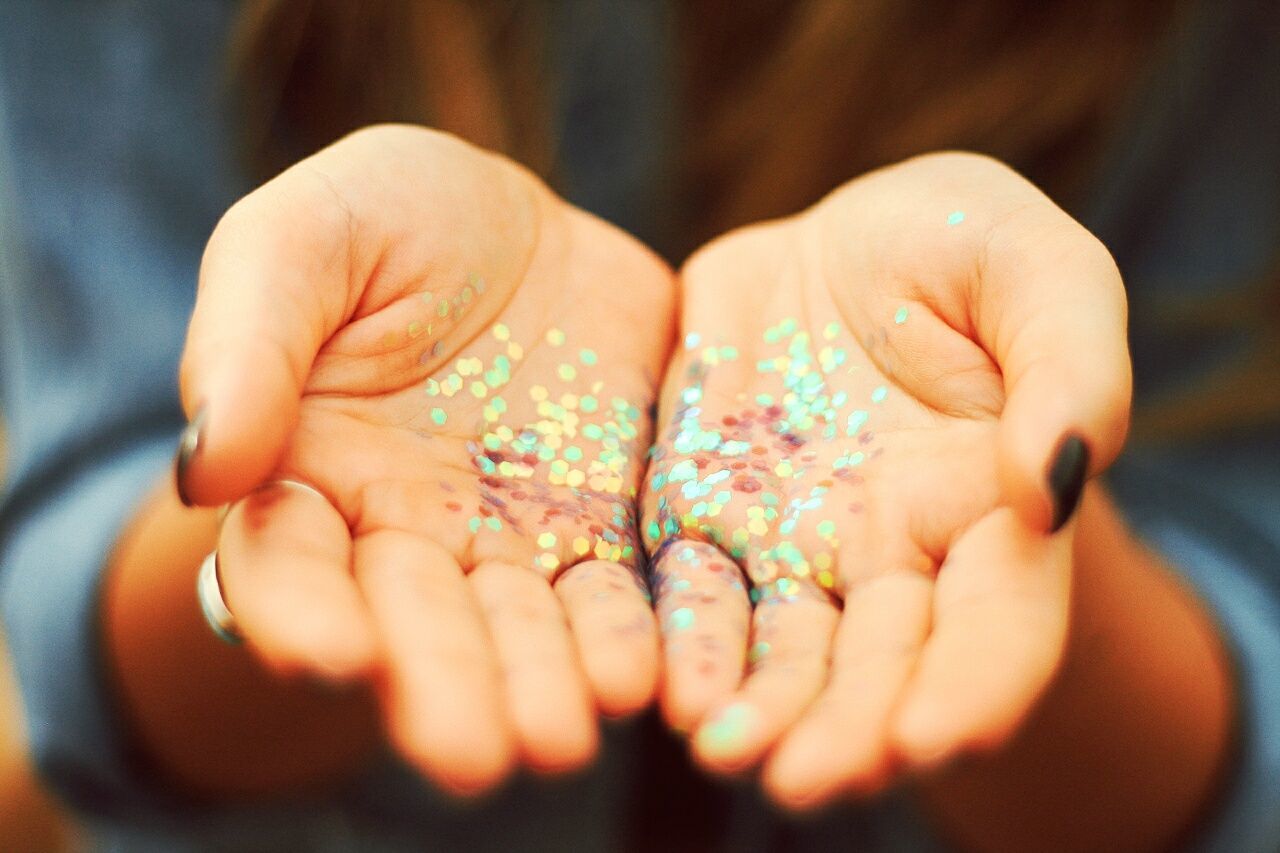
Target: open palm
[
  {"x": 461, "y": 365},
  {"x": 863, "y": 450}
]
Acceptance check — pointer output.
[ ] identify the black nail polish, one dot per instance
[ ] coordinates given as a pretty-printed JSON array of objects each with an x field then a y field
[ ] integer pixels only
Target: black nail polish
[
  {"x": 1066, "y": 478},
  {"x": 188, "y": 447}
]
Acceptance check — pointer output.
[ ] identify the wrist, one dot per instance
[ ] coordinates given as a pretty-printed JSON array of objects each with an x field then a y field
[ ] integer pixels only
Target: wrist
[
  {"x": 1127, "y": 744},
  {"x": 206, "y": 716}
]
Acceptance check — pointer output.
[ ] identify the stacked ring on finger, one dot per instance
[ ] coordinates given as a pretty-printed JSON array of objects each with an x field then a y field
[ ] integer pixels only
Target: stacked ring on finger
[{"x": 209, "y": 593}]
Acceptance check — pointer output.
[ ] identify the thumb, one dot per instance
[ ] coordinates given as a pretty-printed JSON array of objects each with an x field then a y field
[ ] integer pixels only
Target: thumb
[
  {"x": 1056, "y": 323},
  {"x": 275, "y": 282}
]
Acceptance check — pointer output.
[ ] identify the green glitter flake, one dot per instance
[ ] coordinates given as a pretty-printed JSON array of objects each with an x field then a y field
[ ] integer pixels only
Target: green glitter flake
[
  {"x": 956, "y": 217},
  {"x": 758, "y": 652},
  {"x": 588, "y": 357},
  {"x": 681, "y": 619},
  {"x": 438, "y": 416},
  {"x": 900, "y": 317},
  {"x": 878, "y": 395},
  {"x": 727, "y": 730}
]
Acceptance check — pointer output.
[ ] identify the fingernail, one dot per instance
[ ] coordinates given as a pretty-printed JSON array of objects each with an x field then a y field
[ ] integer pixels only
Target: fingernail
[
  {"x": 1066, "y": 478},
  {"x": 726, "y": 733},
  {"x": 188, "y": 447}
]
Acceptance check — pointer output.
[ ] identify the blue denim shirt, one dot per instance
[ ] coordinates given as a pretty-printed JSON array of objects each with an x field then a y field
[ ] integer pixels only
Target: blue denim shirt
[{"x": 115, "y": 163}]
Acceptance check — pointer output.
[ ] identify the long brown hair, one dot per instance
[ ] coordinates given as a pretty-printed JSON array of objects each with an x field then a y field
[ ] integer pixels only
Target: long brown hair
[{"x": 807, "y": 93}]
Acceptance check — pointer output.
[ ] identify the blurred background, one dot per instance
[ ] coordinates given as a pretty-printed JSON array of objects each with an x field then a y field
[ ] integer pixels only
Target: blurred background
[{"x": 30, "y": 818}]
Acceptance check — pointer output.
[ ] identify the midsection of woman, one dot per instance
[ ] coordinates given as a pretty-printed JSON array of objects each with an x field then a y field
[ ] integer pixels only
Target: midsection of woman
[{"x": 115, "y": 164}]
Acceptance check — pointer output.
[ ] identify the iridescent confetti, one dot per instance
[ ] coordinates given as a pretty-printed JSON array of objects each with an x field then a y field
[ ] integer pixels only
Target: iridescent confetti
[
  {"x": 956, "y": 217},
  {"x": 728, "y": 729},
  {"x": 566, "y": 469},
  {"x": 681, "y": 619},
  {"x": 754, "y": 482}
]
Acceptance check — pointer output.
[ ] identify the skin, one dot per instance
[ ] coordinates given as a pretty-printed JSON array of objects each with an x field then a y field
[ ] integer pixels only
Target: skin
[
  {"x": 950, "y": 615},
  {"x": 315, "y": 355},
  {"x": 1013, "y": 671}
]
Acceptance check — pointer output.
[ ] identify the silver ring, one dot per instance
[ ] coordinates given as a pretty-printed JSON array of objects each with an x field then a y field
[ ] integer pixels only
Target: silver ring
[
  {"x": 213, "y": 605},
  {"x": 209, "y": 587}
]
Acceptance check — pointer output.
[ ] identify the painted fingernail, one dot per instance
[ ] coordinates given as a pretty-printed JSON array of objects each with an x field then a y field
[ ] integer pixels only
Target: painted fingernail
[
  {"x": 188, "y": 446},
  {"x": 725, "y": 734},
  {"x": 1066, "y": 478}
]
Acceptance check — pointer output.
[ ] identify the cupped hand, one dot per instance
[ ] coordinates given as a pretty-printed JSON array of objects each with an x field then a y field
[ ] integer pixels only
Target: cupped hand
[
  {"x": 461, "y": 366},
  {"x": 883, "y": 411}
]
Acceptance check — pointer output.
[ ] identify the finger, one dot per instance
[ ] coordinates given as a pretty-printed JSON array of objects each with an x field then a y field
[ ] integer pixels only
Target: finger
[
  {"x": 274, "y": 284},
  {"x": 284, "y": 557},
  {"x": 615, "y": 634},
  {"x": 1054, "y": 316},
  {"x": 548, "y": 700},
  {"x": 1000, "y": 623},
  {"x": 842, "y": 743},
  {"x": 444, "y": 702},
  {"x": 790, "y": 649},
  {"x": 703, "y": 614}
]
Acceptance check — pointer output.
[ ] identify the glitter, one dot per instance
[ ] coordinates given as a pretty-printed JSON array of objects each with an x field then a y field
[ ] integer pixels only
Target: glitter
[
  {"x": 826, "y": 529},
  {"x": 878, "y": 395},
  {"x": 692, "y": 340},
  {"x": 956, "y": 217},
  {"x": 900, "y": 317},
  {"x": 493, "y": 523},
  {"x": 831, "y": 330},
  {"x": 681, "y": 619},
  {"x": 438, "y": 416},
  {"x": 727, "y": 730},
  {"x": 415, "y": 329},
  {"x": 473, "y": 523},
  {"x": 588, "y": 357},
  {"x": 567, "y": 372},
  {"x": 555, "y": 337},
  {"x": 443, "y": 308},
  {"x": 758, "y": 652},
  {"x": 546, "y": 540},
  {"x": 682, "y": 471},
  {"x": 501, "y": 332}
]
